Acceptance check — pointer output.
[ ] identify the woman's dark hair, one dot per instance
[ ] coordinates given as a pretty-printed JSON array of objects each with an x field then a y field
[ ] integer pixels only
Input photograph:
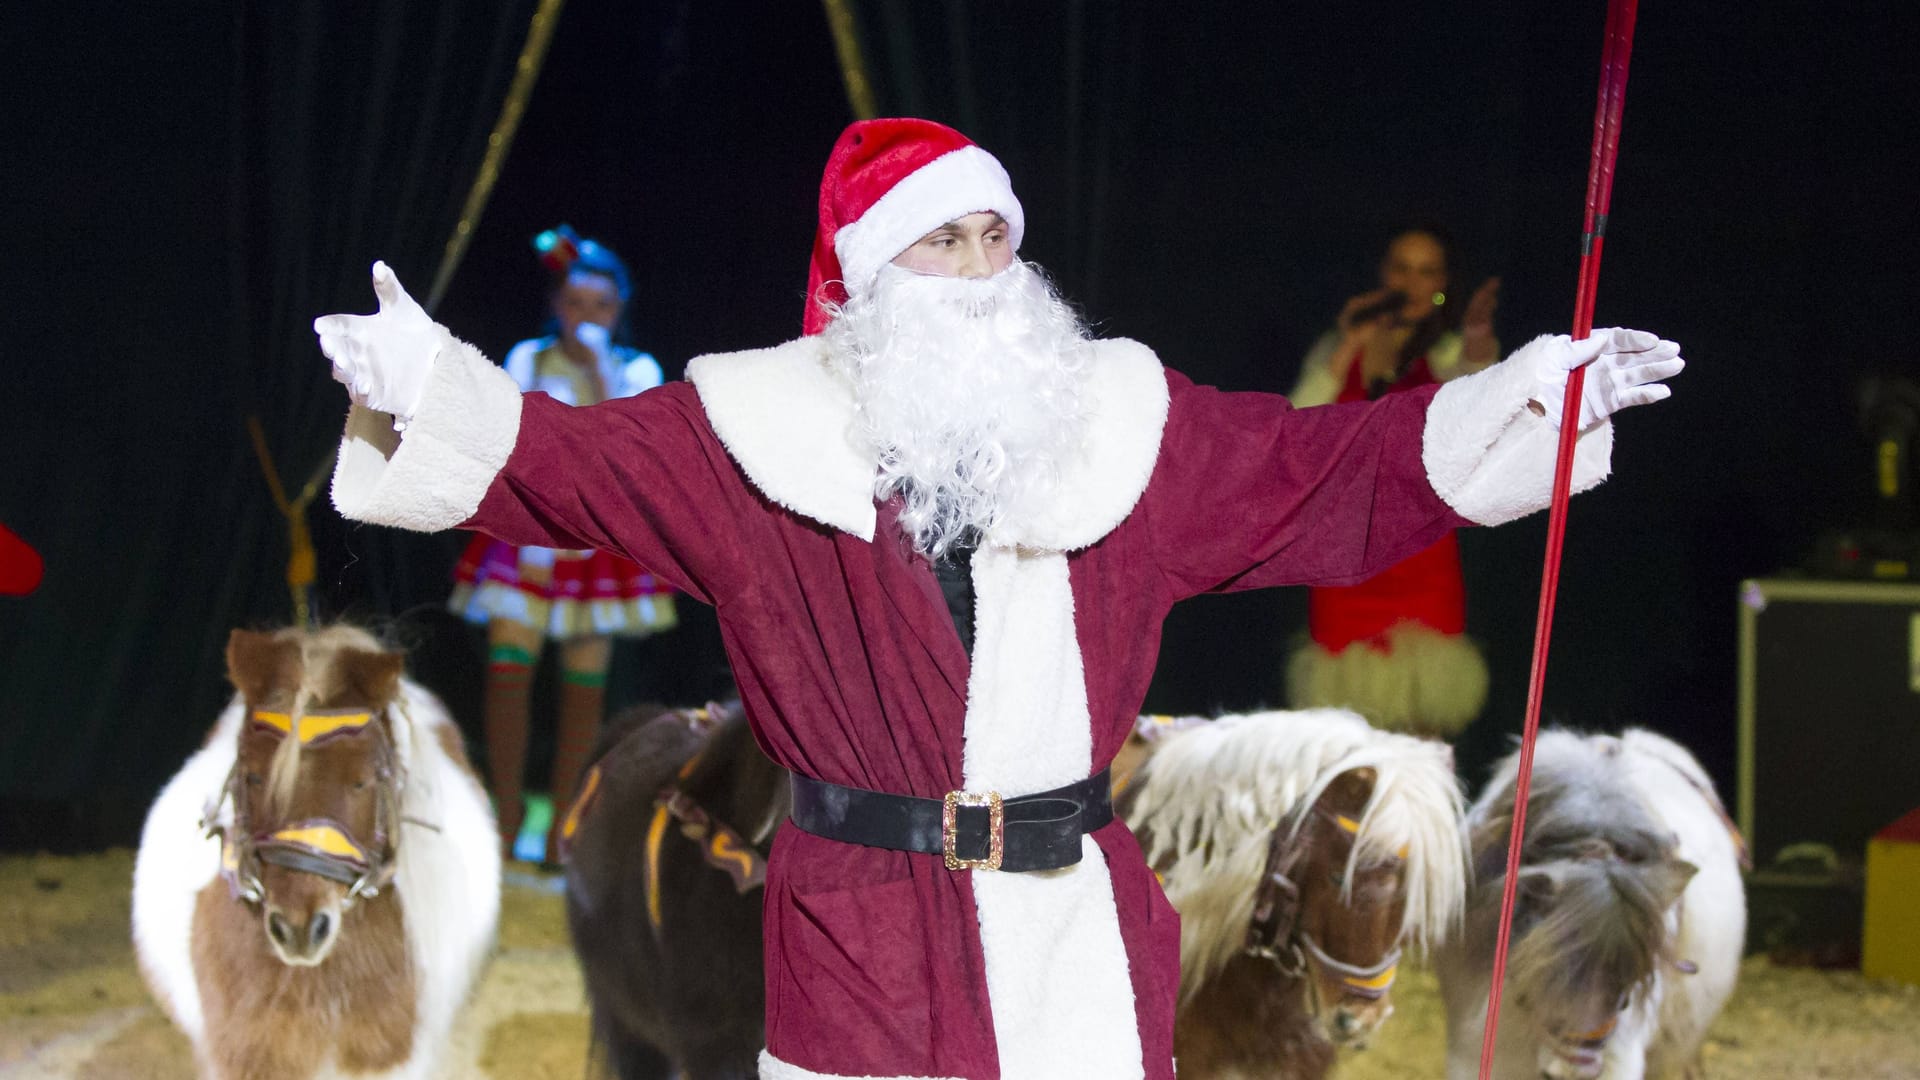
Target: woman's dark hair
[{"x": 1443, "y": 316}]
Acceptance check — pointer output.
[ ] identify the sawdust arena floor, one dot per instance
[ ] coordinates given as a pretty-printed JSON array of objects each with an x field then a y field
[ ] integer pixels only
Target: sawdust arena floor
[{"x": 72, "y": 1004}]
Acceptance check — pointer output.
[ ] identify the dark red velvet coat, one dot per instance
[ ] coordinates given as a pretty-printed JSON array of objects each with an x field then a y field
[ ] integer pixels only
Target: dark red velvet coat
[{"x": 851, "y": 670}]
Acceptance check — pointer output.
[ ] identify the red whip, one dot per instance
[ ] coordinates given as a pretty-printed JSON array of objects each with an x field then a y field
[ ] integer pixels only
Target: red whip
[{"x": 1615, "y": 52}]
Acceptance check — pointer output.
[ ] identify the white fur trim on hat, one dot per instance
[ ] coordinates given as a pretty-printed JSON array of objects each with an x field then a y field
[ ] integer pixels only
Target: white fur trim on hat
[{"x": 961, "y": 182}]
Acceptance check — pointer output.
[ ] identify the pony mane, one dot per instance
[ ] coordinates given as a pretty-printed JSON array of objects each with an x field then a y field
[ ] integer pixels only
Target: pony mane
[
  {"x": 1212, "y": 797},
  {"x": 1611, "y": 863},
  {"x": 318, "y": 649}
]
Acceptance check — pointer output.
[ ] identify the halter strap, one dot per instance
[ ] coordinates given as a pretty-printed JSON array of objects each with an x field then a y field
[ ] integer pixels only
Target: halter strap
[
  {"x": 1368, "y": 982},
  {"x": 318, "y": 846}
]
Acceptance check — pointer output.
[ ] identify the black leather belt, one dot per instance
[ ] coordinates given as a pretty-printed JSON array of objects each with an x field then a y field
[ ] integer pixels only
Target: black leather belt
[{"x": 973, "y": 831}]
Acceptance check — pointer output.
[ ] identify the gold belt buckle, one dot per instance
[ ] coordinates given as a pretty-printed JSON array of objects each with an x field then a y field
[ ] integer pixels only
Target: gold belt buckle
[{"x": 950, "y": 829}]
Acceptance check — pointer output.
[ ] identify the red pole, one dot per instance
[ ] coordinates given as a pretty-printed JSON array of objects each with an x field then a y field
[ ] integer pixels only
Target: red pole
[{"x": 1616, "y": 50}]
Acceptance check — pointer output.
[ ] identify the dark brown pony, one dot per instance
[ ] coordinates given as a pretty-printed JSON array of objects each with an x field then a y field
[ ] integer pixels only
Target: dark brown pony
[
  {"x": 317, "y": 887},
  {"x": 665, "y": 859},
  {"x": 1303, "y": 850}
]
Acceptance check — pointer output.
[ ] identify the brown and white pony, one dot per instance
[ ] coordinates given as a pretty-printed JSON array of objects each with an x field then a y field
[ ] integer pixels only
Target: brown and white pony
[
  {"x": 317, "y": 887},
  {"x": 1304, "y": 851},
  {"x": 1629, "y": 921}
]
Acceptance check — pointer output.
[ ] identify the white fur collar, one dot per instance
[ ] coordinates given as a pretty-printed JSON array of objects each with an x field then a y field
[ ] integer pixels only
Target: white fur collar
[{"x": 786, "y": 419}]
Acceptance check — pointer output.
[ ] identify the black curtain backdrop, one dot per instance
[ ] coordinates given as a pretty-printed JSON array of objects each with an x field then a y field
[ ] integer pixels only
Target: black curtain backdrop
[
  {"x": 187, "y": 188},
  {"x": 1215, "y": 180},
  {"x": 193, "y": 186}
]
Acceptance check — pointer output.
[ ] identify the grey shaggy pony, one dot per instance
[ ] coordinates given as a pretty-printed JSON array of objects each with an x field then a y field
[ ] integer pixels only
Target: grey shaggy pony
[
  {"x": 1628, "y": 914},
  {"x": 1597, "y": 874}
]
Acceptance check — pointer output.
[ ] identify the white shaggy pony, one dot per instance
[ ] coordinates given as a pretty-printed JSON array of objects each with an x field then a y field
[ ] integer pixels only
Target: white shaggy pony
[
  {"x": 1629, "y": 922},
  {"x": 352, "y": 985}
]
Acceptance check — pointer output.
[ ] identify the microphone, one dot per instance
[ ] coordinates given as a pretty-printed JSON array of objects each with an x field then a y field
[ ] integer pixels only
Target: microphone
[
  {"x": 593, "y": 336},
  {"x": 1393, "y": 301}
]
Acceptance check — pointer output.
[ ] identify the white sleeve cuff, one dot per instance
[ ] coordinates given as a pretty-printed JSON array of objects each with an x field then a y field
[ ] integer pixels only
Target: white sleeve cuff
[
  {"x": 434, "y": 477},
  {"x": 1490, "y": 458}
]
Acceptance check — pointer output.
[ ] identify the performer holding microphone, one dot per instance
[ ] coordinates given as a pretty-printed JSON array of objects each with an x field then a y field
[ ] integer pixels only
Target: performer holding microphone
[
  {"x": 1394, "y": 647},
  {"x": 530, "y": 595}
]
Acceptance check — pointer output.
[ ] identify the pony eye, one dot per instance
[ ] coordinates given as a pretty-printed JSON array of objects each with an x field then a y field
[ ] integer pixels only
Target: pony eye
[
  {"x": 253, "y": 779},
  {"x": 1338, "y": 878}
]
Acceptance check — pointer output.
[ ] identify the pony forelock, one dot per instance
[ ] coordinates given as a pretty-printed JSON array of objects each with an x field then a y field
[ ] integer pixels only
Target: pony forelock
[{"x": 318, "y": 648}]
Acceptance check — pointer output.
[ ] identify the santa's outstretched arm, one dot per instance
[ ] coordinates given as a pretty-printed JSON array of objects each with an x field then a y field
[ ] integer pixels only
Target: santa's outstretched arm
[
  {"x": 1249, "y": 492},
  {"x": 440, "y": 437}
]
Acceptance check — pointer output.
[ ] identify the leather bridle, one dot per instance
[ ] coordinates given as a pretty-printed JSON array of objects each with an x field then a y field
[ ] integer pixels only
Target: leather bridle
[
  {"x": 319, "y": 846},
  {"x": 1275, "y": 935}
]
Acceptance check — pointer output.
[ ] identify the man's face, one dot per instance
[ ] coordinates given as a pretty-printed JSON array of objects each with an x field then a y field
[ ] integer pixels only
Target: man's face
[{"x": 975, "y": 246}]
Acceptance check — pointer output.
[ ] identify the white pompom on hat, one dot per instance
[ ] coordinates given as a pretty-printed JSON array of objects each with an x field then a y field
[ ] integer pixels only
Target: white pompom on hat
[{"x": 889, "y": 182}]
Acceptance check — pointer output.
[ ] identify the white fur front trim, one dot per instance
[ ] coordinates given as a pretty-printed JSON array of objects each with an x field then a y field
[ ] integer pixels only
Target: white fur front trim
[
  {"x": 448, "y": 876},
  {"x": 1057, "y": 972},
  {"x": 787, "y": 420},
  {"x": 1491, "y": 458},
  {"x": 961, "y": 182},
  {"x": 1127, "y": 415},
  {"x": 772, "y": 1068},
  {"x": 434, "y": 477}
]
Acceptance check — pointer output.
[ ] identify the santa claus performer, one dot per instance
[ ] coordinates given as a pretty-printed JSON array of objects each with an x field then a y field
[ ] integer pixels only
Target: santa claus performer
[{"x": 941, "y": 530}]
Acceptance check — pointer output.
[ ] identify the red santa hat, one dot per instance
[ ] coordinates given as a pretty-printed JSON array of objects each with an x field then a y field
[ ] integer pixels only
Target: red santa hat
[{"x": 888, "y": 183}]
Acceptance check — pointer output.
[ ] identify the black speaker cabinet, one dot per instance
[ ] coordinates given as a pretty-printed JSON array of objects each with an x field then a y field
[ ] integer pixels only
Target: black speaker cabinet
[{"x": 1829, "y": 714}]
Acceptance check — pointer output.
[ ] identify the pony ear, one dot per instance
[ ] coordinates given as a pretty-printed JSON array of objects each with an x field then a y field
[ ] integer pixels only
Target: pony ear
[
  {"x": 1349, "y": 792},
  {"x": 1539, "y": 888},
  {"x": 1677, "y": 875},
  {"x": 258, "y": 662},
  {"x": 374, "y": 675}
]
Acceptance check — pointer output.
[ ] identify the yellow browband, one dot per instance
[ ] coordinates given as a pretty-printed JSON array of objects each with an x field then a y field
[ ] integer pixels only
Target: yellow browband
[
  {"x": 1349, "y": 825},
  {"x": 317, "y": 724}
]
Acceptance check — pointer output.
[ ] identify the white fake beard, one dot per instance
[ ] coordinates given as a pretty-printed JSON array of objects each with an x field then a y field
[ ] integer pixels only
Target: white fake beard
[{"x": 969, "y": 394}]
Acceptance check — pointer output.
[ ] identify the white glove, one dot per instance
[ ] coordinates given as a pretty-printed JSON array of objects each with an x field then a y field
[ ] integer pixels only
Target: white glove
[
  {"x": 383, "y": 359},
  {"x": 1626, "y": 369}
]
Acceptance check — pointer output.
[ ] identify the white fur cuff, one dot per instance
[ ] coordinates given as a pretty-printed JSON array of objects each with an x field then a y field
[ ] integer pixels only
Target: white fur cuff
[
  {"x": 435, "y": 477},
  {"x": 1490, "y": 458}
]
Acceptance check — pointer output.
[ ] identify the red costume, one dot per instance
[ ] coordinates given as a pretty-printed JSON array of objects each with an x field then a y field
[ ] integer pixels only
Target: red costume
[{"x": 743, "y": 488}]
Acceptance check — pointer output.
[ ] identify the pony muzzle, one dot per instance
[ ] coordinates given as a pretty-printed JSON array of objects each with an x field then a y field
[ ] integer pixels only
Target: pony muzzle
[{"x": 302, "y": 938}]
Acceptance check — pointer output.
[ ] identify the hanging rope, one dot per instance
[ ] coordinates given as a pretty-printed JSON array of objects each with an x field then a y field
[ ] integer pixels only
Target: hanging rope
[
  {"x": 1615, "y": 51},
  {"x": 301, "y": 564},
  {"x": 525, "y": 73},
  {"x": 853, "y": 69}
]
